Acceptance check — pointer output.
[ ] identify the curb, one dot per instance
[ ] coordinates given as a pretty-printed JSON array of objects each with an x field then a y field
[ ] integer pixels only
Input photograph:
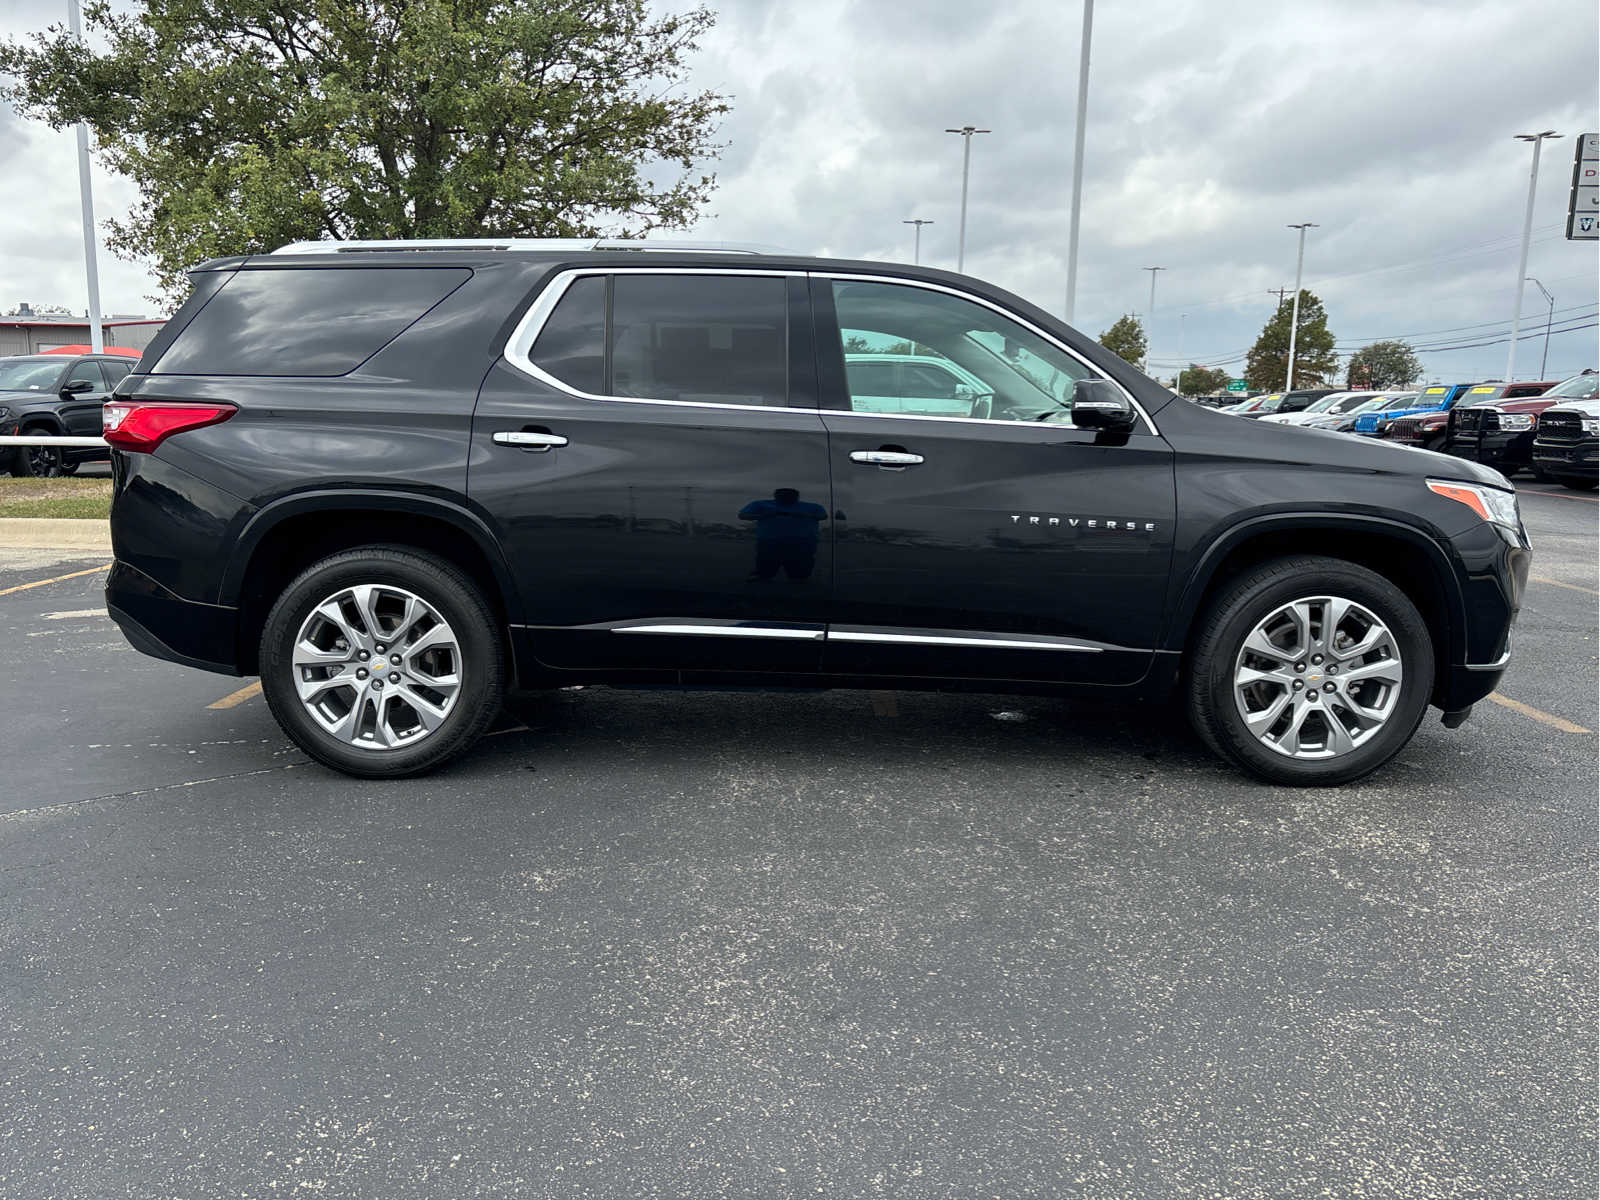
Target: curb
[{"x": 54, "y": 533}]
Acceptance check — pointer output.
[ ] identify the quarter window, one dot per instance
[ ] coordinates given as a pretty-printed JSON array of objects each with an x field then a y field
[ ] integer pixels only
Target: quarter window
[
  {"x": 572, "y": 344},
  {"x": 953, "y": 357}
]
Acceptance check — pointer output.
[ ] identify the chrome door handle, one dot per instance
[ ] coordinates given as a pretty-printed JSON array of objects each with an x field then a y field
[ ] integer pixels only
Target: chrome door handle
[
  {"x": 885, "y": 458},
  {"x": 527, "y": 440}
]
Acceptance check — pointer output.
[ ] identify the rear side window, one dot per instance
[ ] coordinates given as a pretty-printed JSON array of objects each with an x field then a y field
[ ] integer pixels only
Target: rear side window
[
  {"x": 572, "y": 344},
  {"x": 711, "y": 339},
  {"x": 307, "y": 321},
  {"x": 114, "y": 371}
]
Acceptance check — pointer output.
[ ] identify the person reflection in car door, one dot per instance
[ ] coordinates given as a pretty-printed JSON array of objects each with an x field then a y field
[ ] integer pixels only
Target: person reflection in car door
[{"x": 787, "y": 532}]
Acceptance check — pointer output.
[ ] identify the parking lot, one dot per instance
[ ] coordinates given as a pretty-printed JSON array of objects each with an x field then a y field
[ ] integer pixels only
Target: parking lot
[{"x": 747, "y": 944}]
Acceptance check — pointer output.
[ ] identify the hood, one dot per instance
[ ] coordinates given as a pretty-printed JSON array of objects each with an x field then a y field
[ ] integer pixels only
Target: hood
[{"x": 1589, "y": 408}]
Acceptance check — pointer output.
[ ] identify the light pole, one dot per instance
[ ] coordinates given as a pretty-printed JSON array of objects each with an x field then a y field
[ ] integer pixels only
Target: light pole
[
  {"x": 1150, "y": 316},
  {"x": 86, "y": 198},
  {"x": 966, "y": 132},
  {"x": 1527, "y": 231},
  {"x": 1548, "y": 317},
  {"x": 1077, "y": 158},
  {"x": 1294, "y": 315},
  {"x": 916, "y": 252}
]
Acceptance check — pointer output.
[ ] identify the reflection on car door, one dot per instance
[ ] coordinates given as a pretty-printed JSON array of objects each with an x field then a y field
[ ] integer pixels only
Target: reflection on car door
[{"x": 1010, "y": 548}]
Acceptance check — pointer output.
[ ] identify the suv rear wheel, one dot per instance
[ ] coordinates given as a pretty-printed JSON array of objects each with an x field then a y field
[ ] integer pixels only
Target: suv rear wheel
[
  {"x": 1310, "y": 671},
  {"x": 382, "y": 662}
]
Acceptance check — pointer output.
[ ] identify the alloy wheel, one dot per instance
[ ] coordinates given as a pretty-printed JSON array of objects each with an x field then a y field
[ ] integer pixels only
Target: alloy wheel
[
  {"x": 377, "y": 666},
  {"x": 1318, "y": 677}
]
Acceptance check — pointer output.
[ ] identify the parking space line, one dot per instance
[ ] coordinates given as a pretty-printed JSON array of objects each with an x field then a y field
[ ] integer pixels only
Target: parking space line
[
  {"x": 37, "y": 583},
  {"x": 1558, "y": 495},
  {"x": 233, "y": 699},
  {"x": 1528, "y": 710},
  {"x": 1557, "y": 583}
]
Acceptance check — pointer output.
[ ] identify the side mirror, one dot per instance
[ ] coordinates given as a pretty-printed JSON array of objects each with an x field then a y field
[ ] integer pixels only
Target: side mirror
[
  {"x": 76, "y": 386},
  {"x": 1100, "y": 404}
]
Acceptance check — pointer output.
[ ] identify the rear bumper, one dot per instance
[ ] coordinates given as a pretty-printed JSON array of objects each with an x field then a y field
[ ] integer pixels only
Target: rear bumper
[{"x": 163, "y": 625}]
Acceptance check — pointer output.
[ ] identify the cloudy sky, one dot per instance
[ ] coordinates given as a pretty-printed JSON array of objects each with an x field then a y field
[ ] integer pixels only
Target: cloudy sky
[{"x": 1211, "y": 126}]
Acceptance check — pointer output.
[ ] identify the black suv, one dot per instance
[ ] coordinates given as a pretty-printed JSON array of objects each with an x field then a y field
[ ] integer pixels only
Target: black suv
[
  {"x": 396, "y": 479},
  {"x": 55, "y": 395}
]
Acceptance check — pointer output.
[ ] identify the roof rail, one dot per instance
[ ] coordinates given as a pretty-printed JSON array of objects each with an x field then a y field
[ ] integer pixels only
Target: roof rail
[{"x": 559, "y": 245}]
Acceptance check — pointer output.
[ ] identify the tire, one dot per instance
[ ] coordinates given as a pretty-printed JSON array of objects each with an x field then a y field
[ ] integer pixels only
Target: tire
[
  {"x": 1263, "y": 594},
  {"x": 1581, "y": 485},
  {"x": 349, "y": 724},
  {"x": 36, "y": 462},
  {"x": 68, "y": 467}
]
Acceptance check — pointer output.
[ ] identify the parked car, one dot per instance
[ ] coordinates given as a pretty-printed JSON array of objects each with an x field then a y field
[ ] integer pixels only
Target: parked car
[
  {"x": 917, "y": 384},
  {"x": 1437, "y": 397},
  {"x": 1345, "y": 422},
  {"x": 55, "y": 396},
  {"x": 1253, "y": 403},
  {"x": 1496, "y": 430},
  {"x": 1287, "y": 402},
  {"x": 1566, "y": 446},
  {"x": 1333, "y": 402},
  {"x": 672, "y": 482}
]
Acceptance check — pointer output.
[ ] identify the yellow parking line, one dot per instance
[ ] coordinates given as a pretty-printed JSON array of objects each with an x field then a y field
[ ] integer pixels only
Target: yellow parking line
[
  {"x": 1528, "y": 710},
  {"x": 1557, "y": 583},
  {"x": 22, "y": 587},
  {"x": 234, "y": 699}
]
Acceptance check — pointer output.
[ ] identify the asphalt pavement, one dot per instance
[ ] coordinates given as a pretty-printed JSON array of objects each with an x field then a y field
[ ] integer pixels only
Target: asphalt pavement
[{"x": 707, "y": 944}]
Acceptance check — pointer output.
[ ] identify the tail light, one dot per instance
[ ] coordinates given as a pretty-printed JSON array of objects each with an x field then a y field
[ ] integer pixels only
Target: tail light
[{"x": 141, "y": 427}]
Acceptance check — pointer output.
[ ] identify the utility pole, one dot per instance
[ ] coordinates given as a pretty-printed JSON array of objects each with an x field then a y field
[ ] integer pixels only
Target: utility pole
[
  {"x": 1280, "y": 293},
  {"x": 91, "y": 263},
  {"x": 1294, "y": 317},
  {"x": 1548, "y": 318},
  {"x": 916, "y": 252},
  {"x": 966, "y": 132},
  {"x": 1527, "y": 232},
  {"x": 1177, "y": 381},
  {"x": 1150, "y": 316},
  {"x": 1077, "y": 158}
]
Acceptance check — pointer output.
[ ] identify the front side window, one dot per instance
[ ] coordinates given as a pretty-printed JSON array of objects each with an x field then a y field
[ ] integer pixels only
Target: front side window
[
  {"x": 87, "y": 371},
  {"x": 953, "y": 358}
]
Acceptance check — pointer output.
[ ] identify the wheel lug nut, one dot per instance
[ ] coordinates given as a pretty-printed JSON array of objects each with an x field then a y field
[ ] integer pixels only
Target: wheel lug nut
[
  {"x": 1327, "y": 687},
  {"x": 394, "y": 677},
  {"x": 379, "y": 647},
  {"x": 1333, "y": 670},
  {"x": 377, "y": 685},
  {"x": 1316, "y": 658},
  {"x": 1299, "y": 666},
  {"x": 1312, "y": 695},
  {"x": 361, "y": 673},
  {"x": 1299, "y": 684},
  {"x": 362, "y": 655}
]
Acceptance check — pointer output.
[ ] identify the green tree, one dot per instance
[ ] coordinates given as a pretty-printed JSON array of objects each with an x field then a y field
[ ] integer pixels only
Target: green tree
[
  {"x": 250, "y": 123},
  {"x": 1126, "y": 339},
  {"x": 1314, "y": 360},
  {"x": 1202, "y": 381},
  {"x": 1383, "y": 365}
]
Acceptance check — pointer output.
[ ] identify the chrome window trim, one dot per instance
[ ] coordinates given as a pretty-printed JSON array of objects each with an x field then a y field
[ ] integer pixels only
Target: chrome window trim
[
  {"x": 1094, "y": 371},
  {"x": 529, "y": 327}
]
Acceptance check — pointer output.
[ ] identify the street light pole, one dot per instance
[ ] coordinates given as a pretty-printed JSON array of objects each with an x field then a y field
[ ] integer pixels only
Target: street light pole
[
  {"x": 1527, "y": 232},
  {"x": 1150, "y": 316},
  {"x": 1294, "y": 315},
  {"x": 1177, "y": 382},
  {"x": 916, "y": 252},
  {"x": 966, "y": 132},
  {"x": 86, "y": 200},
  {"x": 1548, "y": 317},
  {"x": 1077, "y": 158}
]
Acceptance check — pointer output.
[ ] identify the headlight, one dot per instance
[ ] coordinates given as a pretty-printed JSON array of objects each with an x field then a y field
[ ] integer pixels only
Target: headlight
[
  {"x": 1591, "y": 425},
  {"x": 1515, "y": 422},
  {"x": 1493, "y": 505},
  {"x": 5, "y": 413}
]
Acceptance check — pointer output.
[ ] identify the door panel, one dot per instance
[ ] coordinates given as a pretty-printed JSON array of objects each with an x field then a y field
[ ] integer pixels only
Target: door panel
[
  {"x": 1014, "y": 549},
  {"x": 80, "y": 411},
  {"x": 662, "y": 533}
]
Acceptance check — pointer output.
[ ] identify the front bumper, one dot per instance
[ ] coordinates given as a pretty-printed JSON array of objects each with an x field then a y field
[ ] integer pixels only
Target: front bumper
[
  {"x": 1568, "y": 460},
  {"x": 1495, "y": 447},
  {"x": 1492, "y": 567}
]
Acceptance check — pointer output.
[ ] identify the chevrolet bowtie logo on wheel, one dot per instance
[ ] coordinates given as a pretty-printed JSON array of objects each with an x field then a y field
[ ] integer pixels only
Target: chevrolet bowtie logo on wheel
[{"x": 1098, "y": 524}]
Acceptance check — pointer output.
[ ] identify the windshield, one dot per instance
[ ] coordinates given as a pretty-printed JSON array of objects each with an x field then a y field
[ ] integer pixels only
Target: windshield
[
  {"x": 1326, "y": 402},
  {"x": 1579, "y": 387},
  {"x": 1403, "y": 400},
  {"x": 1355, "y": 402},
  {"x": 28, "y": 374}
]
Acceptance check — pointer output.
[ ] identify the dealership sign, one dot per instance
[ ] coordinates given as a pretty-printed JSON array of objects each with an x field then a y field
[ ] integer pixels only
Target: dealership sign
[{"x": 1583, "y": 208}]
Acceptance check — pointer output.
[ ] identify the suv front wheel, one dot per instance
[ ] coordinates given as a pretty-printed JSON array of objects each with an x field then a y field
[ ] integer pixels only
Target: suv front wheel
[
  {"x": 382, "y": 662},
  {"x": 1310, "y": 671}
]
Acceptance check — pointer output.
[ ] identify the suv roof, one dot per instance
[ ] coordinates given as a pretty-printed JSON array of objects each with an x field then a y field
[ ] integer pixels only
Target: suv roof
[{"x": 535, "y": 245}]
